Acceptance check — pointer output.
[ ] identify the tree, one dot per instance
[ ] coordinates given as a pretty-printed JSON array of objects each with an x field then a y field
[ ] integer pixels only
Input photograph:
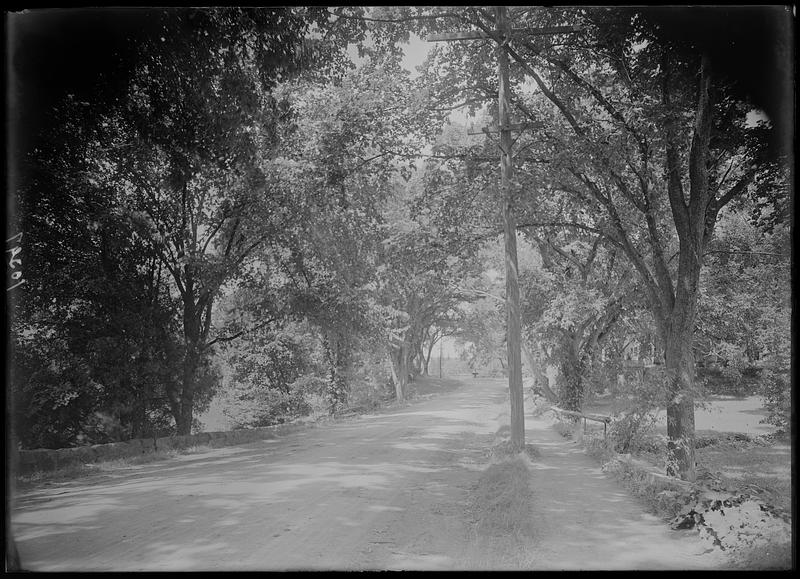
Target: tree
[
  {"x": 630, "y": 164},
  {"x": 641, "y": 132},
  {"x": 422, "y": 275},
  {"x": 189, "y": 150},
  {"x": 348, "y": 143},
  {"x": 743, "y": 340},
  {"x": 93, "y": 332}
]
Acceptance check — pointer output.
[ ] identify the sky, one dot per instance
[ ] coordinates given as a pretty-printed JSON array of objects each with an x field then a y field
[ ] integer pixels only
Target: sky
[{"x": 415, "y": 53}]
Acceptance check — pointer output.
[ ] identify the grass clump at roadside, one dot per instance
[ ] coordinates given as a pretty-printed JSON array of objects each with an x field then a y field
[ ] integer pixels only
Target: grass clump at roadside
[
  {"x": 502, "y": 499},
  {"x": 82, "y": 471}
]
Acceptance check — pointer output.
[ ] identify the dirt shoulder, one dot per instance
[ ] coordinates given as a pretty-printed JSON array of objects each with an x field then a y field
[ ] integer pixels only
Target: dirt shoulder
[{"x": 385, "y": 491}]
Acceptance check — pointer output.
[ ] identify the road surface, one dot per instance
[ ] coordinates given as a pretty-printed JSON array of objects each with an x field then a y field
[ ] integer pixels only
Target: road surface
[{"x": 385, "y": 491}]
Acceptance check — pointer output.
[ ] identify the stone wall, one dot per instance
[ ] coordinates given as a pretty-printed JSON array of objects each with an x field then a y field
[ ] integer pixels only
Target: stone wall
[{"x": 43, "y": 460}]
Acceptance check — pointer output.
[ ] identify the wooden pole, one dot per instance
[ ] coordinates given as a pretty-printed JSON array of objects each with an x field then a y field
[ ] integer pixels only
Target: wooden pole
[
  {"x": 503, "y": 35},
  {"x": 514, "y": 326}
]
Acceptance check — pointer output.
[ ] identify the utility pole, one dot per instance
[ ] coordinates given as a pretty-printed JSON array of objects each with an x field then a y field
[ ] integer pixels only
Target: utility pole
[{"x": 502, "y": 35}]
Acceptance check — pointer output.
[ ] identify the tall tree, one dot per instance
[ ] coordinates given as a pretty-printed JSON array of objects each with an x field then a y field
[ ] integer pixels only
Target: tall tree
[
  {"x": 93, "y": 328},
  {"x": 657, "y": 162},
  {"x": 649, "y": 134},
  {"x": 422, "y": 274},
  {"x": 187, "y": 154},
  {"x": 582, "y": 299}
]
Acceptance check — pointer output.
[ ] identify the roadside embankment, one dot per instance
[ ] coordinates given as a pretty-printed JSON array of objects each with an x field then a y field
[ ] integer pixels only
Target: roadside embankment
[
  {"x": 734, "y": 519},
  {"x": 28, "y": 462},
  {"x": 45, "y": 460}
]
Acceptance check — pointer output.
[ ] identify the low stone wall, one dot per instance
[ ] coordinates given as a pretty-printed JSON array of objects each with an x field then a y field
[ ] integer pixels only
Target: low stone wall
[{"x": 43, "y": 460}]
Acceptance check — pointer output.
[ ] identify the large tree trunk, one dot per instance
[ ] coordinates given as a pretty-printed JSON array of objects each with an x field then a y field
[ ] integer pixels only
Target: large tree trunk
[
  {"x": 335, "y": 356},
  {"x": 571, "y": 394},
  {"x": 182, "y": 405},
  {"x": 694, "y": 223},
  {"x": 182, "y": 402},
  {"x": 540, "y": 379},
  {"x": 680, "y": 411},
  {"x": 679, "y": 363},
  {"x": 399, "y": 365}
]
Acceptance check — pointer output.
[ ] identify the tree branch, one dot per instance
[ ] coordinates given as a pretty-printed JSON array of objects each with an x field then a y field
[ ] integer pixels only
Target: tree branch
[
  {"x": 239, "y": 333},
  {"x": 680, "y": 211},
  {"x": 400, "y": 20}
]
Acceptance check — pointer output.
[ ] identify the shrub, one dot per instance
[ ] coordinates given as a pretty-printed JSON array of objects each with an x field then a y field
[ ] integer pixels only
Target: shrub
[
  {"x": 269, "y": 407},
  {"x": 501, "y": 502},
  {"x": 639, "y": 399},
  {"x": 776, "y": 390},
  {"x": 629, "y": 431}
]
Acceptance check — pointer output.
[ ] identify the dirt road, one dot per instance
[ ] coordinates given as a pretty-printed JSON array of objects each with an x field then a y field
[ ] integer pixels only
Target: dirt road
[{"x": 387, "y": 491}]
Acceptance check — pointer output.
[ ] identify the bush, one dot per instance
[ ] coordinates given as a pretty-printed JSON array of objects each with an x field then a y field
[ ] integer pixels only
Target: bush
[
  {"x": 629, "y": 431},
  {"x": 501, "y": 501},
  {"x": 776, "y": 390},
  {"x": 272, "y": 407},
  {"x": 264, "y": 386},
  {"x": 729, "y": 380},
  {"x": 639, "y": 399}
]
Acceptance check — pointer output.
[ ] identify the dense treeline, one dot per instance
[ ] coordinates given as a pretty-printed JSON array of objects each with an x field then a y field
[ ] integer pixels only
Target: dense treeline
[{"x": 252, "y": 216}]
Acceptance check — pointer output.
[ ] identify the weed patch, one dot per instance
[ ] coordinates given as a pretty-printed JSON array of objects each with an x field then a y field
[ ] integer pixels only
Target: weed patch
[
  {"x": 728, "y": 514},
  {"x": 501, "y": 503},
  {"x": 79, "y": 471}
]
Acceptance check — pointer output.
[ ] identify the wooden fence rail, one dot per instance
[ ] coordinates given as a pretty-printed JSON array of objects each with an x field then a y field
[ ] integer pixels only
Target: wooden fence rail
[{"x": 606, "y": 420}]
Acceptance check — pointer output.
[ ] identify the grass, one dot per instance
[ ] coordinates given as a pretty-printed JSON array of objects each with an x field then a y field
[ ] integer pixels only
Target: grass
[
  {"x": 502, "y": 499},
  {"x": 757, "y": 465},
  {"x": 752, "y": 465},
  {"x": 83, "y": 471},
  {"x": 501, "y": 507},
  {"x": 748, "y": 462}
]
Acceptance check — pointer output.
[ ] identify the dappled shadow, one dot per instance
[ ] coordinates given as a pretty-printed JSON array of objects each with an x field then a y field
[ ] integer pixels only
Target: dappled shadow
[
  {"x": 199, "y": 511},
  {"x": 587, "y": 521}
]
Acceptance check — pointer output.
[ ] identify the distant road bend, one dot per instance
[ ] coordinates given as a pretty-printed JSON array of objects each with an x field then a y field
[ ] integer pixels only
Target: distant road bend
[{"x": 385, "y": 491}]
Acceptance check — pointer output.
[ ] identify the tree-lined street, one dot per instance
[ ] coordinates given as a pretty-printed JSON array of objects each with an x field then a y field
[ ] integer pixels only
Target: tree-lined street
[
  {"x": 388, "y": 491},
  {"x": 264, "y": 214}
]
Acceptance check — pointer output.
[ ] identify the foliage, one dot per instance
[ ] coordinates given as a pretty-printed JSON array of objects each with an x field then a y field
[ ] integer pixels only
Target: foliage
[
  {"x": 418, "y": 265},
  {"x": 743, "y": 314},
  {"x": 638, "y": 398},
  {"x": 266, "y": 385},
  {"x": 180, "y": 167},
  {"x": 92, "y": 328},
  {"x": 777, "y": 392},
  {"x": 247, "y": 164},
  {"x": 732, "y": 520},
  {"x": 620, "y": 103}
]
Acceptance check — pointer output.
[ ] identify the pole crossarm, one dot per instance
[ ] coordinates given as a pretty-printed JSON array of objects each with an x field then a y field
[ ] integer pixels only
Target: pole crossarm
[
  {"x": 499, "y": 128},
  {"x": 502, "y": 34}
]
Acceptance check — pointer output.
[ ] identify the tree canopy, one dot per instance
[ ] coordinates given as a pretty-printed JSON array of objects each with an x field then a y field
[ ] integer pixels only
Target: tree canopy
[{"x": 263, "y": 201}]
